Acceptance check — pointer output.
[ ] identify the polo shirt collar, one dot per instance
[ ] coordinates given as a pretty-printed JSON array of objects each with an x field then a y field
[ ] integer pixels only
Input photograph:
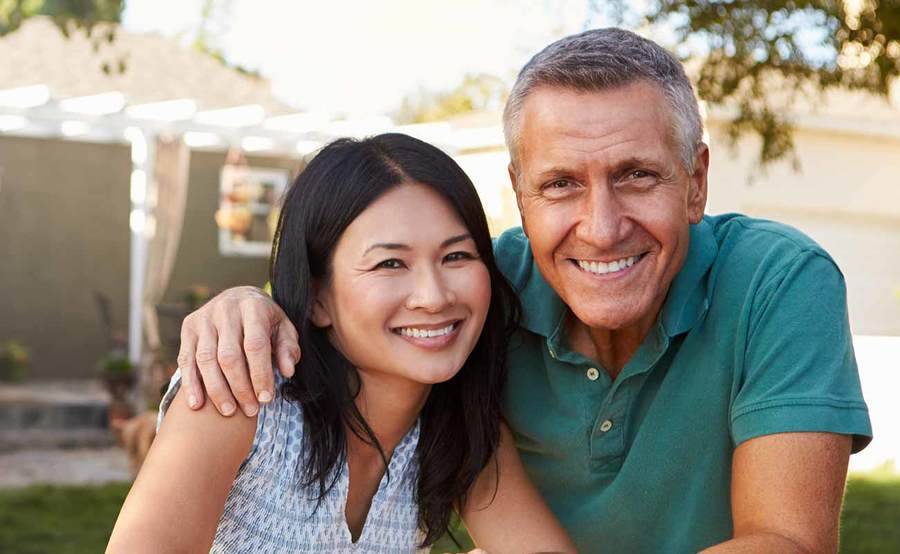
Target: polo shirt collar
[
  {"x": 688, "y": 298},
  {"x": 543, "y": 310}
]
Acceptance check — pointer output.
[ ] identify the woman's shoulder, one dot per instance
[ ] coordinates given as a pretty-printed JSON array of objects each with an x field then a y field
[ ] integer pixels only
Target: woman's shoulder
[{"x": 177, "y": 417}]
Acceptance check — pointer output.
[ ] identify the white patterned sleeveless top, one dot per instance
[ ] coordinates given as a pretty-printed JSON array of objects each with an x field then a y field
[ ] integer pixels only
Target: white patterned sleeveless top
[{"x": 270, "y": 511}]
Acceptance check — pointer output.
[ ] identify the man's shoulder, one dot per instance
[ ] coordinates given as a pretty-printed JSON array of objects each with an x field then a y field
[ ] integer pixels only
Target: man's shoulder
[
  {"x": 512, "y": 252},
  {"x": 747, "y": 244}
]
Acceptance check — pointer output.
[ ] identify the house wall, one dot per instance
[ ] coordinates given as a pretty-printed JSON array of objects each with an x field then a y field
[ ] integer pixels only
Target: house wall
[
  {"x": 64, "y": 234},
  {"x": 845, "y": 195}
]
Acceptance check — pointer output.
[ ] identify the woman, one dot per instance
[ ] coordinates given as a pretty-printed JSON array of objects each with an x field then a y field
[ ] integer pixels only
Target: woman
[{"x": 383, "y": 262}]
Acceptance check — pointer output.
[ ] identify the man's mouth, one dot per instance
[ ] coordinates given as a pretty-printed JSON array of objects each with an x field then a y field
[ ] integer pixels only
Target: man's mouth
[{"x": 604, "y": 268}]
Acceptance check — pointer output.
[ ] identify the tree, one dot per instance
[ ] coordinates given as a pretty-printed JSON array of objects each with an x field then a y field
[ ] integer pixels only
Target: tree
[
  {"x": 476, "y": 92},
  {"x": 83, "y": 14},
  {"x": 89, "y": 16},
  {"x": 760, "y": 56}
]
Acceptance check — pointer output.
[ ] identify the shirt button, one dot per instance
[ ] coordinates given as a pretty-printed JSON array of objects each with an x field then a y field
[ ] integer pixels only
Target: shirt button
[
  {"x": 606, "y": 426},
  {"x": 593, "y": 374}
]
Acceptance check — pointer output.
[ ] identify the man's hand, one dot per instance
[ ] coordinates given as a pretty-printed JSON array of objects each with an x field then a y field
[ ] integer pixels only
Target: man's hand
[{"x": 231, "y": 340}]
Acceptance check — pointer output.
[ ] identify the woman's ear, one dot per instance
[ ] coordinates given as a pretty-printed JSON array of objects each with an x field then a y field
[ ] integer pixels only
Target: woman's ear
[{"x": 320, "y": 316}]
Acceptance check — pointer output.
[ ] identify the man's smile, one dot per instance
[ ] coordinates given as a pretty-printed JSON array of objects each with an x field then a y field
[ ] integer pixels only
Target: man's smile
[{"x": 603, "y": 268}]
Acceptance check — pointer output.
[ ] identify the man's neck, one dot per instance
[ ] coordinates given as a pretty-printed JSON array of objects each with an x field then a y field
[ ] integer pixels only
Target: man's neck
[{"x": 612, "y": 348}]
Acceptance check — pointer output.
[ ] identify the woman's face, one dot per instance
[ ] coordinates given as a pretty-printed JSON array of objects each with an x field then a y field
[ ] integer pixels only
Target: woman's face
[{"x": 408, "y": 294}]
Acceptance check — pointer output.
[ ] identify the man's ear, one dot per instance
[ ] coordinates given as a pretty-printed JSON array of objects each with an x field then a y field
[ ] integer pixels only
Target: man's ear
[
  {"x": 514, "y": 181},
  {"x": 697, "y": 186},
  {"x": 320, "y": 315}
]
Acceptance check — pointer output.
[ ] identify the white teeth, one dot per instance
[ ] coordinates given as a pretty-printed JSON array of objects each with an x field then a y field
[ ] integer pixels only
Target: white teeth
[
  {"x": 425, "y": 333},
  {"x": 602, "y": 268}
]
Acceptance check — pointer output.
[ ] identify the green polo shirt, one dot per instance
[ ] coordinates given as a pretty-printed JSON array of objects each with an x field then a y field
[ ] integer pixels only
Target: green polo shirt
[{"x": 753, "y": 339}]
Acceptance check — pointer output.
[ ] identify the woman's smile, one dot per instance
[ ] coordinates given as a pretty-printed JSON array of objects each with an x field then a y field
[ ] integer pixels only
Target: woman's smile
[{"x": 431, "y": 336}]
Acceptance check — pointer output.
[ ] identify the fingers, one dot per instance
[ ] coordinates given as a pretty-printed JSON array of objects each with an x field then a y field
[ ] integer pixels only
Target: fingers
[
  {"x": 187, "y": 363},
  {"x": 227, "y": 346},
  {"x": 258, "y": 348},
  {"x": 207, "y": 362},
  {"x": 234, "y": 364},
  {"x": 287, "y": 347}
]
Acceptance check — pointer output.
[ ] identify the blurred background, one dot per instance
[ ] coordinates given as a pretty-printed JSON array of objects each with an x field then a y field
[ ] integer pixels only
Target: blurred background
[{"x": 144, "y": 146}]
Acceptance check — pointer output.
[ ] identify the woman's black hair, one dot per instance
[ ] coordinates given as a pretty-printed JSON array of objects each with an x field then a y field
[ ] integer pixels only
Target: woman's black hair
[{"x": 460, "y": 421}]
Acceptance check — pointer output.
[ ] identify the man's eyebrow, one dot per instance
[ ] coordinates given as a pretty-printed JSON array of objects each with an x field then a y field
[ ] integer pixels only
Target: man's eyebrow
[
  {"x": 636, "y": 162},
  {"x": 555, "y": 171},
  {"x": 621, "y": 165}
]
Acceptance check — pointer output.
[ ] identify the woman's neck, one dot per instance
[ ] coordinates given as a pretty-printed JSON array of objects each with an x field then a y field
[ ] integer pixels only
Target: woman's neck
[{"x": 390, "y": 407}]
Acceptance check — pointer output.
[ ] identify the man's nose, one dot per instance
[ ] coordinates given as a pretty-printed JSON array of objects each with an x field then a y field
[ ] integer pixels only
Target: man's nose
[
  {"x": 430, "y": 291},
  {"x": 601, "y": 217}
]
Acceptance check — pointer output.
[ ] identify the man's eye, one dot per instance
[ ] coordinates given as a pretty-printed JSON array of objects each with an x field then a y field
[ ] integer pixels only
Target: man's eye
[
  {"x": 558, "y": 184},
  {"x": 393, "y": 263},
  {"x": 458, "y": 256},
  {"x": 639, "y": 174}
]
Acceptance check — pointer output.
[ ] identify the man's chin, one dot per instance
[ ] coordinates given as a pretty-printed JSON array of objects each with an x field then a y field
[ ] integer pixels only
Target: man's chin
[{"x": 609, "y": 318}]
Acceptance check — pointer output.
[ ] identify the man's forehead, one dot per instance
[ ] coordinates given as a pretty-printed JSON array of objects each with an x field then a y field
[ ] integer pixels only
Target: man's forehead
[{"x": 563, "y": 126}]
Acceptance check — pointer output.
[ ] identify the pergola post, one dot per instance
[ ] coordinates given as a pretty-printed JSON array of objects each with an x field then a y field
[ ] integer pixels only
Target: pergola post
[{"x": 143, "y": 226}]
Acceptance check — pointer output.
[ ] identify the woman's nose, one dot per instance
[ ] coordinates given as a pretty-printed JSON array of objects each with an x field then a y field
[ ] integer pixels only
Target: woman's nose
[{"x": 430, "y": 292}]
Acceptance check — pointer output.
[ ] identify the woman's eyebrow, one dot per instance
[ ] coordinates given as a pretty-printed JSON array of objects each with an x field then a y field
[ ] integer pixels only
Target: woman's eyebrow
[
  {"x": 387, "y": 246},
  {"x": 455, "y": 239},
  {"x": 400, "y": 246}
]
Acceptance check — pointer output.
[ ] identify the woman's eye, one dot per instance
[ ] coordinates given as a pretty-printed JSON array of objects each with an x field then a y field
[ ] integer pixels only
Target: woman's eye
[
  {"x": 457, "y": 256},
  {"x": 393, "y": 263}
]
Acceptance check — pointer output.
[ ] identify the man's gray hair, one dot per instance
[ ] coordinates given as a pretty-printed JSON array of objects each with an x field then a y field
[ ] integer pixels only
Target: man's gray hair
[{"x": 603, "y": 59}]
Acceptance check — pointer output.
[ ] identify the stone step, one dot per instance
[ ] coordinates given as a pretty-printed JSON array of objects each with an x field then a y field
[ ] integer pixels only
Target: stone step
[
  {"x": 11, "y": 441},
  {"x": 51, "y": 416},
  {"x": 54, "y": 414}
]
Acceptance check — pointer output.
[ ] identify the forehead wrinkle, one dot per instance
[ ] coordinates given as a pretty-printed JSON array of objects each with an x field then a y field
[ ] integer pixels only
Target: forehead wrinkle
[{"x": 576, "y": 159}]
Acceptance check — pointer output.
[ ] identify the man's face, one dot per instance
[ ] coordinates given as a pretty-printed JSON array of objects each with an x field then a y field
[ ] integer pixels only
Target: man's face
[{"x": 605, "y": 199}]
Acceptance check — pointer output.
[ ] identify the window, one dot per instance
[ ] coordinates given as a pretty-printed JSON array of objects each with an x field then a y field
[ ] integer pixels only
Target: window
[{"x": 249, "y": 200}]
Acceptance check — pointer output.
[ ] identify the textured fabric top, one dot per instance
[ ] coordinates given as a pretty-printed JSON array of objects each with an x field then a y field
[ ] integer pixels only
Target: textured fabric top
[{"x": 269, "y": 510}]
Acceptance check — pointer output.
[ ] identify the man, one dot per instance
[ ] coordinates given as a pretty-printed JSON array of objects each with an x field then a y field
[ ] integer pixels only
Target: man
[{"x": 679, "y": 381}]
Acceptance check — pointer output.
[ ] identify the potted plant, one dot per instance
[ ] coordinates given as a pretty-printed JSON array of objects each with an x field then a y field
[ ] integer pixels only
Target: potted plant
[
  {"x": 196, "y": 296},
  {"x": 14, "y": 361},
  {"x": 118, "y": 376}
]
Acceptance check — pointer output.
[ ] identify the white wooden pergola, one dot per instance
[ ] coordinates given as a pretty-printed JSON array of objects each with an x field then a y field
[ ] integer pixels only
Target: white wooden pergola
[{"x": 34, "y": 111}]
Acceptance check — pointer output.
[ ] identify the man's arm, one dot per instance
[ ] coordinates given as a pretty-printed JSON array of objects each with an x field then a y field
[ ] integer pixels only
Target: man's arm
[
  {"x": 786, "y": 493},
  {"x": 227, "y": 347},
  {"x": 178, "y": 496}
]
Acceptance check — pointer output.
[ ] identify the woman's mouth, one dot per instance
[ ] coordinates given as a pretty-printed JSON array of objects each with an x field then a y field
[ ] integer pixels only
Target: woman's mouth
[{"x": 429, "y": 336}]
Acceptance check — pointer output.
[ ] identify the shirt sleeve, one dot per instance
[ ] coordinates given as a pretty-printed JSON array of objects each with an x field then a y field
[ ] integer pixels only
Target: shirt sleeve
[
  {"x": 799, "y": 370},
  {"x": 174, "y": 385},
  {"x": 272, "y": 417}
]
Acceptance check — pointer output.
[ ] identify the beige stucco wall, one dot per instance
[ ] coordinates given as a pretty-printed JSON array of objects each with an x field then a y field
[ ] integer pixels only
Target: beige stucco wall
[{"x": 846, "y": 195}]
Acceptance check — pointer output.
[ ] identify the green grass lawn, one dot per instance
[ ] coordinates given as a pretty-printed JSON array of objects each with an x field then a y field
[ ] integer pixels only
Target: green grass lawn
[
  {"x": 870, "y": 521},
  {"x": 75, "y": 520},
  {"x": 62, "y": 520}
]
